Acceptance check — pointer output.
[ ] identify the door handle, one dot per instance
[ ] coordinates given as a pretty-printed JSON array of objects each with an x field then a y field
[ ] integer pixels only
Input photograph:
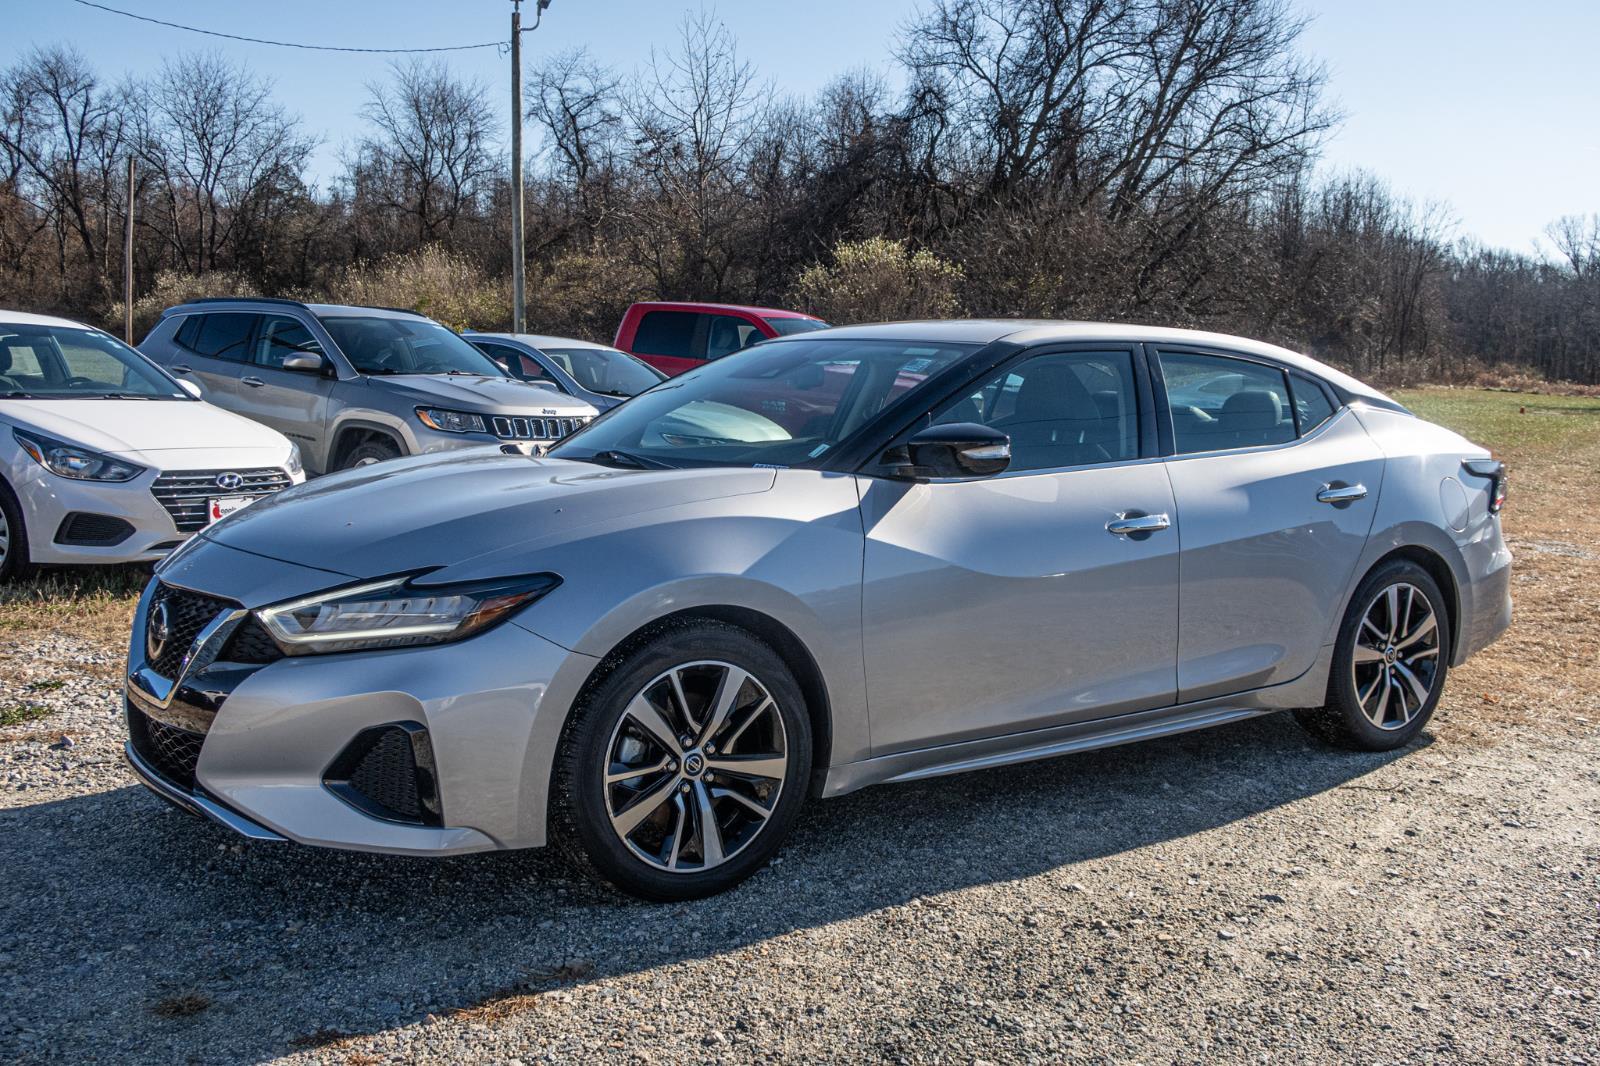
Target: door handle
[
  {"x": 181, "y": 369},
  {"x": 1337, "y": 494},
  {"x": 1132, "y": 524},
  {"x": 253, "y": 382}
]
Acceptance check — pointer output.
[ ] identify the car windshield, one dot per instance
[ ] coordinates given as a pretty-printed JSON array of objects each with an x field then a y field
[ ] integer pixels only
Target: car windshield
[
  {"x": 606, "y": 370},
  {"x": 786, "y": 327},
  {"x": 71, "y": 363},
  {"x": 782, "y": 403},
  {"x": 406, "y": 346}
]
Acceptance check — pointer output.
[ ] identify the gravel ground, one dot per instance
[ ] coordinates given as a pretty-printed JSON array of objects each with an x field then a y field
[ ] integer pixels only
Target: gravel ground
[{"x": 1241, "y": 893}]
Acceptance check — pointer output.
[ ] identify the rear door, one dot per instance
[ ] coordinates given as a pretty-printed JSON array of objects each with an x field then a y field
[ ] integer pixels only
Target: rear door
[
  {"x": 997, "y": 605},
  {"x": 293, "y": 402},
  {"x": 1276, "y": 487},
  {"x": 211, "y": 350}
]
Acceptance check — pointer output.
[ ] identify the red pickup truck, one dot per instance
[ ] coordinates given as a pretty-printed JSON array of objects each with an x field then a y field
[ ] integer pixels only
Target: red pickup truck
[{"x": 674, "y": 337}]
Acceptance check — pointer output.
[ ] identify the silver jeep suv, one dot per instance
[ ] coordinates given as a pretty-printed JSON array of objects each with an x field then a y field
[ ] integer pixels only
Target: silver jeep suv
[{"x": 354, "y": 385}]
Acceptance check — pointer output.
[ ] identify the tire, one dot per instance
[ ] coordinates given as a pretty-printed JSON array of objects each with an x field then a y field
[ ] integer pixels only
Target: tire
[
  {"x": 369, "y": 451},
  {"x": 645, "y": 833},
  {"x": 14, "y": 563},
  {"x": 1401, "y": 676}
]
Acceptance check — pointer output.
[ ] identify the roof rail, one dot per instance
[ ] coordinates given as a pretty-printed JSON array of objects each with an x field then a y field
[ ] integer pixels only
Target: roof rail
[{"x": 241, "y": 299}]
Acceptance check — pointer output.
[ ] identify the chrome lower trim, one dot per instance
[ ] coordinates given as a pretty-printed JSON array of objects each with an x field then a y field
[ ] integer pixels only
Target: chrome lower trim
[{"x": 195, "y": 803}]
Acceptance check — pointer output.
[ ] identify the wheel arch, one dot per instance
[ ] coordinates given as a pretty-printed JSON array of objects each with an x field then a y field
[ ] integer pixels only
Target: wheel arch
[
  {"x": 353, "y": 432},
  {"x": 1443, "y": 576}
]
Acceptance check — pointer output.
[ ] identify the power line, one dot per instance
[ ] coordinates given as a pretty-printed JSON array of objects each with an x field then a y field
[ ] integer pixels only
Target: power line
[{"x": 296, "y": 44}]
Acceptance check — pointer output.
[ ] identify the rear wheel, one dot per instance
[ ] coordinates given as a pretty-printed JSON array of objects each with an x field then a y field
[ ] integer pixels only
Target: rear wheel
[
  {"x": 14, "y": 564},
  {"x": 682, "y": 771},
  {"x": 372, "y": 450},
  {"x": 1389, "y": 664}
]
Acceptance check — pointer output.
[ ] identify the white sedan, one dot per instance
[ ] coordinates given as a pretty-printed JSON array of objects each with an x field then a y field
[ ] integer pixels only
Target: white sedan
[{"x": 105, "y": 458}]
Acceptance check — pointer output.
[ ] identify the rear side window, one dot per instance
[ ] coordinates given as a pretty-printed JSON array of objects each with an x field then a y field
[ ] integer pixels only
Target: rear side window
[
  {"x": 1220, "y": 403},
  {"x": 1311, "y": 404},
  {"x": 223, "y": 336},
  {"x": 669, "y": 333},
  {"x": 280, "y": 337}
]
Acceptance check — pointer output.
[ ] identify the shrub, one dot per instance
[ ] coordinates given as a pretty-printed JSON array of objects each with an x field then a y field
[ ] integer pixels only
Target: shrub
[
  {"x": 432, "y": 281},
  {"x": 173, "y": 288},
  {"x": 879, "y": 280},
  {"x": 583, "y": 294}
]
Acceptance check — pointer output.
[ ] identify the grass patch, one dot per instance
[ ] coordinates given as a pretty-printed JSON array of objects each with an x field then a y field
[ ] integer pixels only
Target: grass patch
[
  {"x": 19, "y": 713},
  {"x": 91, "y": 602},
  {"x": 1509, "y": 421}
]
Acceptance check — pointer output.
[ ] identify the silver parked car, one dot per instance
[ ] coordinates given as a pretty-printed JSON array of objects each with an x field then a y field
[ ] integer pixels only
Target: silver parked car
[
  {"x": 597, "y": 374},
  {"x": 863, "y": 555},
  {"x": 354, "y": 385}
]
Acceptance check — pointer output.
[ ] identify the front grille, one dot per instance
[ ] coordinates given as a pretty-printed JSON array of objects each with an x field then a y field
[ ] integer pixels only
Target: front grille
[
  {"x": 172, "y": 752},
  {"x": 187, "y": 494},
  {"x": 251, "y": 644},
  {"x": 387, "y": 771},
  {"x": 187, "y": 614},
  {"x": 516, "y": 427},
  {"x": 92, "y": 530}
]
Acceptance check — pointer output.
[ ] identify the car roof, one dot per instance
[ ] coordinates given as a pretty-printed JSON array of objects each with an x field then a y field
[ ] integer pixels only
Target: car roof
[
  {"x": 540, "y": 340},
  {"x": 696, "y": 305},
  {"x": 1033, "y": 332},
  {"x": 26, "y": 318}
]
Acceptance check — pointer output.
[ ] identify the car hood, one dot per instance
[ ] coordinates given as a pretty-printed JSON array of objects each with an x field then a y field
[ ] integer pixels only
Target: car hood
[
  {"x": 479, "y": 394},
  {"x": 132, "y": 428},
  {"x": 445, "y": 510}
]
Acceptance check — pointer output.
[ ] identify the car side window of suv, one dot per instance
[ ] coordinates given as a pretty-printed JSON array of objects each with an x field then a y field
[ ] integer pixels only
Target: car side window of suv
[
  {"x": 1061, "y": 409},
  {"x": 281, "y": 336},
  {"x": 219, "y": 335},
  {"x": 1219, "y": 403},
  {"x": 673, "y": 333}
]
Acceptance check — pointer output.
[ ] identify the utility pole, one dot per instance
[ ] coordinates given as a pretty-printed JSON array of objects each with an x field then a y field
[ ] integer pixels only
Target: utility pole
[
  {"x": 519, "y": 317},
  {"x": 127, "y": 264}
]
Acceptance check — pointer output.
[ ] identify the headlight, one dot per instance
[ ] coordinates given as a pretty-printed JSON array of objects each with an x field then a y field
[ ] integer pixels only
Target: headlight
[
  {"x": 398, "y": 612},
  {"x": 451, "y": 421},
  {"x": 69, "y": 460},
  {"x": 294, "y": 465}
]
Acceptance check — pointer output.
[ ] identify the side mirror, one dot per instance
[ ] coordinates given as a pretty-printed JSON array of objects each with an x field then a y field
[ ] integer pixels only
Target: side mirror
[
  {"x": 960, "y": 449},
  {"x": 191, "y": 388},
  {"x": 308, "y": 362}
]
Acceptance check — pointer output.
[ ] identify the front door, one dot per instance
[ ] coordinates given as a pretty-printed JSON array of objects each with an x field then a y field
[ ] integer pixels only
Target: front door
[
  {"x": 293, "y": 402},
  {"x": 998, "y": 605},
  {"x": 1277, "y": 488}
]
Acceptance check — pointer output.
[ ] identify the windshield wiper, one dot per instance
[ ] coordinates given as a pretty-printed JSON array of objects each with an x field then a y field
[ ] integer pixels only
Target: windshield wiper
[{"x": 612, "y": 457}]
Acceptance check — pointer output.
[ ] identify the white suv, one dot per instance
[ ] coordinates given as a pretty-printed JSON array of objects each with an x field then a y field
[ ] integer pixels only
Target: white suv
[{"x": 104, "y": 458}]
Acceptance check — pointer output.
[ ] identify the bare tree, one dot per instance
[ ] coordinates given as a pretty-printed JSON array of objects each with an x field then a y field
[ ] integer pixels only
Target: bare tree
[{"x": 578, "y": 103}]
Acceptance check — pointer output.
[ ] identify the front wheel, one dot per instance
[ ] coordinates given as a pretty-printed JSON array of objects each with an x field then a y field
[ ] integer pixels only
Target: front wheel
[
  {"x": 14, "y": 564},
  {"x": 683, "y": 770},
  {"x": 1389, "y": 664},
  {"x": 376, "y": 450}
]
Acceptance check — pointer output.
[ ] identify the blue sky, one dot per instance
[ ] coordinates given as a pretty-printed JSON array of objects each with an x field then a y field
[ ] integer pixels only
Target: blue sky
[{"x": 1492, "y": 108}]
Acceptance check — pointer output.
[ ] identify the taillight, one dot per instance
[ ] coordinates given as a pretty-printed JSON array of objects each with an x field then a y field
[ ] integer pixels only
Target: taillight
[{"x": 1495, "y": 471}]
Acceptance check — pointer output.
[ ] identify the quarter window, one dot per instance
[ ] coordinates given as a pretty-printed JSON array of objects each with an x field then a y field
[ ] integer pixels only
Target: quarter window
[
  {"x": 1219, "y": 403},
  {"x": 1311, "y": 406},
  {"x": 1064, "y": 409}
]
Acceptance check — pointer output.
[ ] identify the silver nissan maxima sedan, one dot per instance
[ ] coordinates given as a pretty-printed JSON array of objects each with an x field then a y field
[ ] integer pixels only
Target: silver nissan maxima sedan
[{"x": 863, "y": 555}]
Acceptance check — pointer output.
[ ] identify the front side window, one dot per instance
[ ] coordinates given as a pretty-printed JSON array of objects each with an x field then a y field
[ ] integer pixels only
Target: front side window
[
  {"x": 786, "y": 403},
  {"x": 280, "y": 337},
  {"x": 726, "y": 334},
  {"x": 1219, "y": 403},
  {"x": 223, "y": 335},
  {"x": 516, "y": 363},
  {"x": 59, "y": 362},
  {"x": 1062, "y": 409},
  {"x": 405, "y": 346},
  {"x": 670, "y": 333}
]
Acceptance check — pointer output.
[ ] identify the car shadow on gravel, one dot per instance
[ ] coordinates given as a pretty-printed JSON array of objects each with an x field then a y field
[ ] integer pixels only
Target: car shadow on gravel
[{"x": 120, "y": 911}]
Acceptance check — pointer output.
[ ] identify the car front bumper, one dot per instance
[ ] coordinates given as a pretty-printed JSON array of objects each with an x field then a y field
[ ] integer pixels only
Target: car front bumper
[{"x": 491, "y": 708}]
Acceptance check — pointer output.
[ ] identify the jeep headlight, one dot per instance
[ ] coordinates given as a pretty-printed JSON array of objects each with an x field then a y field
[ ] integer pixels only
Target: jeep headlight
[
  {"x": 451, "y": 421},
  {"x": 71, "y": 461},
  {"x": 398, "y": 612}
]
